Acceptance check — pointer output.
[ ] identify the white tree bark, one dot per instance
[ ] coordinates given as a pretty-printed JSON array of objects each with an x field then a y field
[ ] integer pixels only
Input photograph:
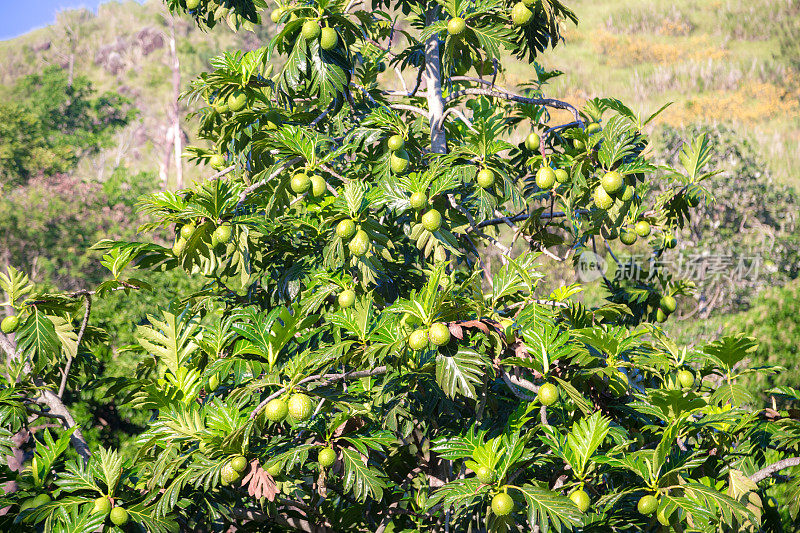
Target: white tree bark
[
  {"x": 433, "y": 80},
  {"x": 174, "y": 131}
]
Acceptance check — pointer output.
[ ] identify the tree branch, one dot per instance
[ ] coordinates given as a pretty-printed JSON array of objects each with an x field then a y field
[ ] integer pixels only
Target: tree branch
[
  {"x": 48, "y": 398},
  {"x": 508, "y": 95},
  {"x": 328, "y": 378},
  {"x": 261, "y": 183},
  {"x": 221, "y": 173},
  {"x": 412, "y": 108},
  {"x": 457, "y": 112},
  {"x": 514, "y": 383},
  {"x": 523, "y": 216},
  {"x": 772, "y": 469},
  {"x": 333, "y": 173}
]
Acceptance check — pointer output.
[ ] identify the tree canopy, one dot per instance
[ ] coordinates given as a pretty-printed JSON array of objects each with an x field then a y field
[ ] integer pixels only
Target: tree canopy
[{"x": 353, "y": 361}]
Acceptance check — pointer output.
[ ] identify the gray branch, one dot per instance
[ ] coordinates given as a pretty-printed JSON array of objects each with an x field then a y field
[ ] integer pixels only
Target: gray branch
[{"x": 774, "y": 468}]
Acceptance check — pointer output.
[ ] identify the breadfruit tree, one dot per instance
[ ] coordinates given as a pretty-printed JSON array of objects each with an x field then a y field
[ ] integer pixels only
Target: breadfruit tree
[{"x": 372, "y": 349}]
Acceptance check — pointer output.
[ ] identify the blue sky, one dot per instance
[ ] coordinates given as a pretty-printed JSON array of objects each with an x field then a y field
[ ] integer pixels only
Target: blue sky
[{"x": 21, "y": 16}]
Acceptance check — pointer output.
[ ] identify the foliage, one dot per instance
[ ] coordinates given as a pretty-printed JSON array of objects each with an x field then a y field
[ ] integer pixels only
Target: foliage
[
  {"x": 48, "y": 224},
  {"x": 747, "y": 217},
  {"x": 48, "y": 122},
  {"x": 413, "y": 419}
]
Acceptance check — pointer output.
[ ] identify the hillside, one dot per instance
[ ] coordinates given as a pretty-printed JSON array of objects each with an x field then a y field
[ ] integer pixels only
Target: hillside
[
  {"x": 126, "y": 47},
  {"x": 714, "y": 60}
]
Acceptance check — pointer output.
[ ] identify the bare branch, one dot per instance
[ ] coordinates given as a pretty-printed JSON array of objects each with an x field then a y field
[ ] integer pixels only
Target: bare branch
[
  {"x": 774, "y": 468},
  {"x": 543, "y": 415},
  {"x": 322, "y": 115},
  {"x": 333, "y": 173},
  {"x": 460, "y": 115},
  {"x": 433, "y": 80},
  {"x": 44, "y": 414},
  {"x": 261, "y": 183},
  {"x": 514, "y": 383},
  {"x": 413, "y": 108},
  {"x": 523, "y": 216},
  {"x": 402, "y": 79},
  {"x": 48, "y": 398},
  {"x": 508, "y": 95},
  {"x": 221, "y": 173}
]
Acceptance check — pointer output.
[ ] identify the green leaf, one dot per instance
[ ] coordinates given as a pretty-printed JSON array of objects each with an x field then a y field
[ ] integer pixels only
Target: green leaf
[
  {"x": 731, "y": 349},
  {"x": 66, "y": 334},
  {"x": 586, "y": 435},
  {"x": 360, "y": 479},
  {"x": 170, "y": 340},
  {"x": 579, "y": 399},
  {"x": 37, "y": 339},
  {"x": 548, "y": 509},
  {"x": 458, "y": 374},
  {"x": 109, "y": 466},
  {"x": 15, "y": 284},
  {"x": 458, "y": 494},
  {"x": 695, "y": 156},
  {"x": 721, "y": 504}
]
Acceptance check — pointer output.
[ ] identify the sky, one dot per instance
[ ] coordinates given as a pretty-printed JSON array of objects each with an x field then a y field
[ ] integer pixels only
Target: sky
[{"x": 21, "y": 16}]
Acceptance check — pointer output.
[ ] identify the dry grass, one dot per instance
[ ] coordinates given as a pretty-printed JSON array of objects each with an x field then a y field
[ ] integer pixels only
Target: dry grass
[
  {"x": 628, "y": 50},
  {"x": 646, "y": 20},
  {"x": 753, "y": 103}
]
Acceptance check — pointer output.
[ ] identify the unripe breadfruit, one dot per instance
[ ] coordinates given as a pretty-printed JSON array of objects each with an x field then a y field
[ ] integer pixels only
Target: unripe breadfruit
[
  {"x": 276, "y": 410},
  {"x": 118, "y": 516},
  {"x": 456, "y": 26},
  {"x": 300, "y": 407},
  {"x": 532, "y": 141},
  {"x": 311, "y": 30},
  {"x": 520, "y": 14},
  {"x": 395, "y": 143},
  {"x": 347, "y": 298},
  {"x": 328, "y": 39},
  {"x": 346, "y": 229},
  {"x": 602, "y": 199},
  {"x": 545, "y": 178},
  {"x": 418, "y": 339},
  {"x": 439, "y": 334},
  {"x": 432, "y": 220},
  {"x": 359, "y": 244},
  {"x": 612, "y": 182},
  {"x": 419, "y": 201},
  {"x": 300, "y": 182}
]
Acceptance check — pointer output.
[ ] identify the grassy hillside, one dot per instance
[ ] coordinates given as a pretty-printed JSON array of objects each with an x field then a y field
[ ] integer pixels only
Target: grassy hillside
[{"x": 714, "y": 60}]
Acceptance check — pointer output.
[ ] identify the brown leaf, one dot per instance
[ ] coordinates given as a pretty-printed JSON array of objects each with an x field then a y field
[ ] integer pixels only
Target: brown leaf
[
  {"x": 456, "y": 330},
  {"x": 321, "y": 488},
  {"x": 259, "y": 483}
]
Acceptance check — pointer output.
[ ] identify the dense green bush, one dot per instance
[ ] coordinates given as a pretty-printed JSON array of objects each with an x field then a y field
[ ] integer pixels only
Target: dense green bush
[
  {"x": 48, "y": 122},
  {"x": 48, "y": 225}
]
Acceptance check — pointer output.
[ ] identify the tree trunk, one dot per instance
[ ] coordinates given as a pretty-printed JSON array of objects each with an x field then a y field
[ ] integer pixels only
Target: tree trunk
[
  {"x": 433, "y": 80},
  {"x": 174, "y": 131}
]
